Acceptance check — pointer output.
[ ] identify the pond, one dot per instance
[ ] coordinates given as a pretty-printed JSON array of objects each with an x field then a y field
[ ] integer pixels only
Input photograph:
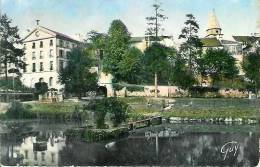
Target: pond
[{"x": 39, "y": 143}]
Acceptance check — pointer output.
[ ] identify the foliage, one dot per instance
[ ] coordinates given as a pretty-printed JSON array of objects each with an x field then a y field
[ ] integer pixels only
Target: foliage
[
  {"x": 237, "y": 83},
  {"x": 117, "y": 45},
  {"x": 180, "y": 74},
  {"x": 154, "y": 23},
  {"x": 133, "y": 88},
  {"x": 111, "y": 105},
  {"x": 95, "y": 135},
  {"x": 77, "y": 76},
  {"x": 191, "y": 49},
  {"x": 9, "y": 54},
  {"x": 97, "y": 40},
  {"x": 156, "y": 60},
  {"x": 41, "y": 88},
  {"x": 130, "y": 67},
  {"x": 18, "y": 111},
  {"x": 8, "y": 84},
  {"x": 251, "y": 67},
  {"x": 96, "y": 44},
  {"x": 117, "y": 86},
  {"x": 198, "y": 91},
  {"x": 218, "y": 64}
]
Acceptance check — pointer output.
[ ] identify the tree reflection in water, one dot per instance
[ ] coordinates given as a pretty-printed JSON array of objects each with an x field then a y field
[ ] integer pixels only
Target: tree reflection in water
[
  {"x": 187, "y": 149},
  {"x": 195, "y": 149}
]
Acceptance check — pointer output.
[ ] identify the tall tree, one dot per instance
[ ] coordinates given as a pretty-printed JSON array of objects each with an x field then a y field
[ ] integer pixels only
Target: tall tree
[
  {"x": 191, "y": 48},
  {"x": 180, "y": 75},
  {"x": 130, "y": 67},
  {"x": 96, "y": 44},
  {"x": 154, "y": 26},
  {"x": 10, "y": 39},
  {"x": 251, "y": 67},
  {"x": 154, "y": 23},
  {"x": 76, "y": 76},
  {"x": 117, "y": 46},
  {"x": 218, "y": 64},
  {"x": 156, "y": 60}
]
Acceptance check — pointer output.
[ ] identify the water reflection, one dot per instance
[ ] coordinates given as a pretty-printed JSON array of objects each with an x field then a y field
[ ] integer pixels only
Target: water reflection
[{"x": 165, "y": 147}]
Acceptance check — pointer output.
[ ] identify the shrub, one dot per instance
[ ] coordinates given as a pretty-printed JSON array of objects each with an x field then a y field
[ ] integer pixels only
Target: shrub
[
  {"x": 133, "y": 88},
  {"x": 198, "y": 91},
  {"x": 18, "y": 111},
  {"x": 41, "y": 88},
  {"x": 117, "y": 109}
]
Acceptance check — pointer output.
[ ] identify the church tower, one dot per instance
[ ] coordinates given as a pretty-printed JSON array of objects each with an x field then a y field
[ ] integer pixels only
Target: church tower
[{"x": 214, "y": 29}]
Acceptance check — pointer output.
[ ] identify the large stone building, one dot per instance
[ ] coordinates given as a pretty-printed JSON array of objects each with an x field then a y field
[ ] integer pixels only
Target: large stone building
[{"x": 45, "y": 55}]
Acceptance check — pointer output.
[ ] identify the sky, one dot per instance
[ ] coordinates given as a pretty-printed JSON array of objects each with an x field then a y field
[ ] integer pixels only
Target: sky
[{"x": 71, "y": 17}]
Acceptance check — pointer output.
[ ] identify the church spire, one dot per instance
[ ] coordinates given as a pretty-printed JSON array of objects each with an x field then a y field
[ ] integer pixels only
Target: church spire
[{"x": 213, "y": 29}]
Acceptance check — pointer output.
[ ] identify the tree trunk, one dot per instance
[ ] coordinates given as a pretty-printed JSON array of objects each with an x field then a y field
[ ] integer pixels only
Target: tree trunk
[
  {"x": 155, "y": 84},
  {"x": 6, "y": 84}
]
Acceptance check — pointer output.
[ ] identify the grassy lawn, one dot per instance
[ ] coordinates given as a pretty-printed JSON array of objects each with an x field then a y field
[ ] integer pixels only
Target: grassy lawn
[
  {"x": 199, "y": 108},
  {"x": 195, "y": 113},
  {"x": 52, "y": 107}
]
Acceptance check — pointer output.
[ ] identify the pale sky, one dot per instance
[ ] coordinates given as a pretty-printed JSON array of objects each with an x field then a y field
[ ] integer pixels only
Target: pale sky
[{"x": 236, "y": 17}]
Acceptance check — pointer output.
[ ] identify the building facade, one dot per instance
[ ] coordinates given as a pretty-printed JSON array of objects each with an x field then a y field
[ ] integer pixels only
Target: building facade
[{"x": 45, "y": 55}]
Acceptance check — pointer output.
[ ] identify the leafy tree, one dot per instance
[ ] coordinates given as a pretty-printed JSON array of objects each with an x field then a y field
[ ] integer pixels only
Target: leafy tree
[
  {"x": 77, "y": 76},
  {"x": 180, "y": 75},
  {"x": 190, "y": 50},
  {"x": 156, "y": 61},
  {"x": 251, "y": 67},
  {"x": 154, "y": 26},
  {"x": 218, "y": 64},
  {"x": 18, "y": 85},
  {"x": 96, "y": 44},
  {"x": 41, "y": 88},
  {"x": 97, "y": 40},
  {"x": 9, "y": 54},
  {"x": 117, "y": 109},
  {"x": 117, "y": 46},
  {"x": 130, "y": 67}
]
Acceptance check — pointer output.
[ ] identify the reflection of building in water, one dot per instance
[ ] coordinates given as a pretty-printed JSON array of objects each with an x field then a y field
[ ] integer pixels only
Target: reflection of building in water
[{"x": 38, "y": 158}]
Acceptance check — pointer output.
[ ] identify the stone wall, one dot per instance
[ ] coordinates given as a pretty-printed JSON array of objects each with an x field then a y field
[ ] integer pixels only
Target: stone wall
[
  {"x": 163, "y": 91},
  {"x": 174, "y": 91}
]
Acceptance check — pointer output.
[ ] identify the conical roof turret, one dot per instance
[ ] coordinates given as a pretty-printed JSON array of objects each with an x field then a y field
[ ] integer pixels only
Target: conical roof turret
[
  {"x": 213, "y": 29},
  {"x": 213, "y": 21}
]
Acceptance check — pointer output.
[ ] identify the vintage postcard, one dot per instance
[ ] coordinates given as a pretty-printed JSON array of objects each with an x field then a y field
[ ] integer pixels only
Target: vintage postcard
[{"x": 129, "y": 82}]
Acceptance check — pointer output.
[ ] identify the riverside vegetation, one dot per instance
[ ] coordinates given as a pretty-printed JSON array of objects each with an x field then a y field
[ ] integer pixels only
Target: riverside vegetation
[
  {"x": 136, "y": 108},
  {"x": 110, "y": 114}
]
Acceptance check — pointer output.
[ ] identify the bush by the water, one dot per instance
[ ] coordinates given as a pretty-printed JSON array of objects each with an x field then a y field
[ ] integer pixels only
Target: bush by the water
[
  {"x": 117, "y": 109},
  {"x": 198, "y": 91},
  {"x": 94, "y": 135},
  {"x": 19, "y": 111}
]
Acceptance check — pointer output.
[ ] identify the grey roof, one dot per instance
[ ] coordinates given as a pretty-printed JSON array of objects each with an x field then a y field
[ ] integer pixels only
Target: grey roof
[
  {"x": 228, "y": 42},
  {"x": 246, "y": 39},
  {"x": 136, "y": 39}
]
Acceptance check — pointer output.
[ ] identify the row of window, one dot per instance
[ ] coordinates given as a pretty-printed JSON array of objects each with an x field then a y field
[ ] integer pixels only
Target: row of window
[
  {"x": 61, "y": 44},
  {"x": 42, "y": 55},
  {"x": 61, "y": 54},
  {"x": 40, "y": 45},
  {"x": 51, "y": 67},
  {"x": 66, "y": 44}
]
